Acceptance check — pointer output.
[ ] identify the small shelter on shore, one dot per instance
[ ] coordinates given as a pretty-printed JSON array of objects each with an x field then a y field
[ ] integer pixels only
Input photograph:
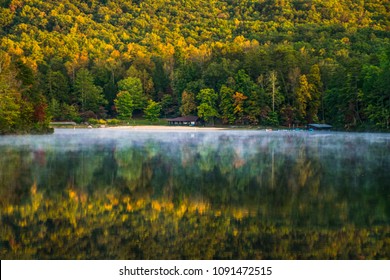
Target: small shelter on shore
[
  {"x": 319, "y": 126},
  {"x": 187, "y": 120}
]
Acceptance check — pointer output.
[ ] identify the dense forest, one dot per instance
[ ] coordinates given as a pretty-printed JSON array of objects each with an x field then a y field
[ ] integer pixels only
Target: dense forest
[{"x": 263, "y": 62}]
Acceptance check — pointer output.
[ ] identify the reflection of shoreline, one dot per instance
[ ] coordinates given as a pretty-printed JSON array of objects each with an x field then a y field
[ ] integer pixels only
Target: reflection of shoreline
[{"x": 165, "y": 128}]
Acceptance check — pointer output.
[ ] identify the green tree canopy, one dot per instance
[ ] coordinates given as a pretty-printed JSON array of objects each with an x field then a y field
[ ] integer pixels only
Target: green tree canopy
[
  {"x": 152, "y": 111},
  {"x": 226, "y": 105},
  {"x": 303, "y": 96},
  {"x": 89, "y": 95},
  {"x": 208, "y": 104},
  {"x": 124, "y": 105},
  {"x": 133, "y": 86},
  {"x": 174, "y": 47}
]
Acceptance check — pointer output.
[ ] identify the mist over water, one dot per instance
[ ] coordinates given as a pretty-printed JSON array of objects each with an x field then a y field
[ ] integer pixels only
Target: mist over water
[
  {"x": 291, "y": 180},
  {"x": 192, "y": 162}
]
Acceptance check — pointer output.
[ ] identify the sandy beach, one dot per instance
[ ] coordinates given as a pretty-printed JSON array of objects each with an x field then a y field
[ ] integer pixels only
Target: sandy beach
[{"x": 165, "y": 128}]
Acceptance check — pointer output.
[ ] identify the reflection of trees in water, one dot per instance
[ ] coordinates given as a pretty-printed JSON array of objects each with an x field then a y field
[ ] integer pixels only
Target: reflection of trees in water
[
  {"x": 295, "y": 179},
  {"x": 15, "y": 178},
  {"x": 258, "y": 197},
  {"x": 129, "y": 163},
  {"x": 112, "y": 226}
]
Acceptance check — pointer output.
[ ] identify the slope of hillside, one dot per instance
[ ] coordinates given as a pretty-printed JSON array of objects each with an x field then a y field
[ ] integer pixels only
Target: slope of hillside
[{"x": 256, "y": 62}]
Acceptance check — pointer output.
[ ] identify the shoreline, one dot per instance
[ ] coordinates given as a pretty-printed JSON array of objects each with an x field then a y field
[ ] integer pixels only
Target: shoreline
[
  {"x": 201, "y": 128},
  {"x": 164, "y": 128}
]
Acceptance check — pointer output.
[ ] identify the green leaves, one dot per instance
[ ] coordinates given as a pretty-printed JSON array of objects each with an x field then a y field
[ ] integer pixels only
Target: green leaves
[
  {"x": 89, "y": 95},
  {"x": 174, "y": 48},
  {"x": 124, "y": 105},
  {"x": 208, "y": 104},
  {"x": 152, "y": 111},
  {"x": 131, "y": 97},
  {"x": 303, "y": 96},
  {"x": 9, "y": 110},
  {"x": 12, "y": 106},
  {"x": 226, "y": 105},
  {"x": 375, "y": 93},
  {"x": 133, "y": 87}
]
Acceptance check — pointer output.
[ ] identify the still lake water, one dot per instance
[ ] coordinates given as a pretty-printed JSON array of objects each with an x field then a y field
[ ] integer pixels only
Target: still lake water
[{"x": 128, "y": 194}]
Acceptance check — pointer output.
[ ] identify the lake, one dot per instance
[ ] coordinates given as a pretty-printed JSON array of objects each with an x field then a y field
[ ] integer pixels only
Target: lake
[{"x": 227, "y": 194}]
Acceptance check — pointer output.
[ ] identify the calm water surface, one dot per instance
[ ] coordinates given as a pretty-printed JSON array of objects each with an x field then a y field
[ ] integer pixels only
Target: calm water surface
[{"x": 117, "y": 194}]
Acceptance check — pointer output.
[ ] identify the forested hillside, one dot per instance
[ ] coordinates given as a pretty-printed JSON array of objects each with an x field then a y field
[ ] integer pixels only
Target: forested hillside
[{"x": 267, "y": 62}]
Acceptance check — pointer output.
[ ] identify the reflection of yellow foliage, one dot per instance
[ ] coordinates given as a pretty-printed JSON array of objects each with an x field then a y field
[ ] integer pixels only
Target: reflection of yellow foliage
[
  {"x": 124, "y": 218},
  {"x": 108, "y": 206},
  {"x": 36, "y": 198},
  {"x": 160, "y": 225},
  {"x": 153, "y": 216},
  {"x": 140, "y": 203},
  {"x": 42, "y": 216},
  {"x": 80, "y": 231},
  {"x": 36, "y": 202},
  {"x": 9, "y": 210},
  {"x": 199, "y": 207},
  {"x": 113, "y": 200},
  {"x": 168, "y": 206},
  {"x": 72, "y": 194},
  {"x": 239, "y": 213},
  {"x": 181, "y": 210},
  {"x": 129, "y": 207},
  {"x": 72, "y": 221},
  {"x": 156, "y": 205},
  {"x": 34, "y": 188},
  {"x": 23, "y": 212},
  {"x": 23, "y": 223}
]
